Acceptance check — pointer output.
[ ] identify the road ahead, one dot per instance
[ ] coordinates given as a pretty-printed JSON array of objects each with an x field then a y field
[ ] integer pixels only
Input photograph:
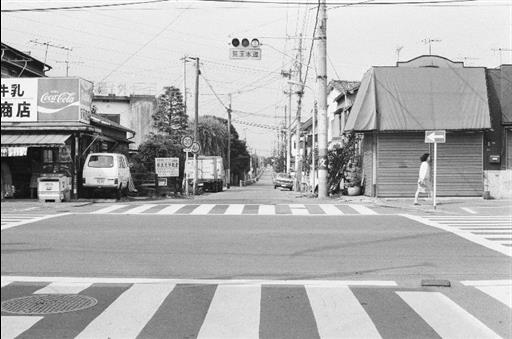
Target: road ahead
[{"x": 257, "y": 262}]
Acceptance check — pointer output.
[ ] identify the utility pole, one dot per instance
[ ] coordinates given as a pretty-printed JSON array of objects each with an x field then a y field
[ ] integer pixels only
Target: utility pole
[
  {"x": 298, "y": 155},
  {"x": 288, "y": 125},
  {"x": 321, "y": 40},
  {"x": 228, "y": 181},
  {"x": 196, "y": 120},
  {"x": 185, "y": 83},
  {"x": 313, "y": 145}
]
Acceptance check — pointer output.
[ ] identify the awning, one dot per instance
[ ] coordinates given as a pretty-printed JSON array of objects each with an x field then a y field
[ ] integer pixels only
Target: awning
[
  {"x": 34, "y": 140},
  {"x": 424, "y": 98}
]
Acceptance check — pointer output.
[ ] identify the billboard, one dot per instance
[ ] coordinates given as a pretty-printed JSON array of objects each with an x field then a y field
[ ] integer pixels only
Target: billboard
[{"x": 46, "y": 99}]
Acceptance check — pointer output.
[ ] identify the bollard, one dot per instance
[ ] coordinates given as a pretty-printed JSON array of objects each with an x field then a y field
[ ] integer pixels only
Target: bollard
[{"x": 241, "y": 183}]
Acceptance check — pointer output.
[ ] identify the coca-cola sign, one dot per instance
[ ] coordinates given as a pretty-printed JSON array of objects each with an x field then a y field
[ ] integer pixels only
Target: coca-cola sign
[
  {"x": 46, "y": 99},
  {"x": 59, "y": 100},
  {"x": 56, "y": 97}
]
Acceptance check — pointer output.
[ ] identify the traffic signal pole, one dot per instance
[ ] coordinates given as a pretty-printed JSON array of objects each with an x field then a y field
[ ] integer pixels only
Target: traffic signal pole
[{"x": 321, "y": 41}]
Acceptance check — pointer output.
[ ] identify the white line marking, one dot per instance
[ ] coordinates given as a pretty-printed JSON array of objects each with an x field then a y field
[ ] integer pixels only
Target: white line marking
[
  {"x": 63, "y": 288},
  {"x": 339, "y": 314},
  {"x": 5, "y": 283},
  {"x": 469, "y": 210},
  {"x": 202, "y": 209},
  {"x": 267, "y": 210},
  {"x": 129, "y": 313},
  {"x": 361, "y": 209},
  {"x": 234, "y": 209},
  {"x": 13, "y": 326},
  {"x": 500, "y": 290},
  {"x": 330, "y": 209},
  {"x": 447, "y": 318},
  {"x": 108, "y": 209},
  {"x": 24, "y": 222},
  {"x": 140, "y": 209},
  {"x": 464, "y": 234},
  {"x": 298, "y": 209},
  {"x": 234, "y": 313},
  {"x": 97, "y": 280},
  {"x": 171, "y": 209}
]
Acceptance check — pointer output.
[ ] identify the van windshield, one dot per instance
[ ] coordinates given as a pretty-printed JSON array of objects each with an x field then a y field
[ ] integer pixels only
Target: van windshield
[{"x": 101, "y": 161}]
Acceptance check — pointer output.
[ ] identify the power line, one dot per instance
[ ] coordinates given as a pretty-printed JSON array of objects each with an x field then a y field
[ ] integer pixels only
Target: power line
[{"x": 261, "y": 2}]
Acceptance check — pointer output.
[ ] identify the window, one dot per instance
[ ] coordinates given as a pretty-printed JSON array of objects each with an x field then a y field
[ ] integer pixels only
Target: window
[{"x": 101, "y": 161}]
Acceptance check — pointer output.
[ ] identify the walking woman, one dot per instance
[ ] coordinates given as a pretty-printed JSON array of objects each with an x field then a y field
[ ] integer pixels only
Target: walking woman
[{"x": 424, "y": 185}]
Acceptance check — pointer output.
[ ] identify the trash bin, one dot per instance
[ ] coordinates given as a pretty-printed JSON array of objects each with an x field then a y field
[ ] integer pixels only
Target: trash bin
[{"x": 54, "y": 187}]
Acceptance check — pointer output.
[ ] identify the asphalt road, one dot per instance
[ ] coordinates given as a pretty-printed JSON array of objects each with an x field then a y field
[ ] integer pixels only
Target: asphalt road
[{"x": 270, "y": 248}]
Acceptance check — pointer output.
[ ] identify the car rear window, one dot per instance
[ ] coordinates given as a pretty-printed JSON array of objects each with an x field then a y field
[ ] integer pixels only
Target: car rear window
[
  {"x": 284, "y": 176},
  {"x": 101, "y": 161}
]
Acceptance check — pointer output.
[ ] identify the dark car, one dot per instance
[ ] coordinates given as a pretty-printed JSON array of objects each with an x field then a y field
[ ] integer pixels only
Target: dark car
[{"x": 283, "y": 180}]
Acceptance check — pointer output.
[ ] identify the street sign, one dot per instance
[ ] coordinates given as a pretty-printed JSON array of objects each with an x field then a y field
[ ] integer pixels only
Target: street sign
[
  {"x": 167, "y": 167},
  {"x": 245, "y": 53},
  {"x": 195, "y": 148},
  {"x": 437, "y": 136},
  {"x": 187, "y": 141}
]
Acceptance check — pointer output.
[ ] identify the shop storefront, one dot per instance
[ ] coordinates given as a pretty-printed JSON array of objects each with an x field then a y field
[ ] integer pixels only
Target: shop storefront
[{"x": 47, "y": 131}]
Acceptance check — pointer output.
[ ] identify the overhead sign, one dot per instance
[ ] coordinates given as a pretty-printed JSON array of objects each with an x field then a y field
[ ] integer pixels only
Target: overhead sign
[
  {"x": 45, "y": 99},
  {"x": 167, "y": 167},
  {"x": 438, "y": 136},
  {"x": 245, "y": 53}
]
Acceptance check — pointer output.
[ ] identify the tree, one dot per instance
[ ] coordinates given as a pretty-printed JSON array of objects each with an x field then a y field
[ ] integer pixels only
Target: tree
[{"x": 170, "y": 118}]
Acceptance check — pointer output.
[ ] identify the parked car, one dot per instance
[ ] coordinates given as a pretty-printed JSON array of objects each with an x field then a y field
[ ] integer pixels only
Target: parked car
[
  {"x": 283, "y": 180},
  {"x": 106, "y": 172}
]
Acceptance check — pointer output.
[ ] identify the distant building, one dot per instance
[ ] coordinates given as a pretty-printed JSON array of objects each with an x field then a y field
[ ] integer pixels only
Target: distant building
[{"x": 133, "y": 111}]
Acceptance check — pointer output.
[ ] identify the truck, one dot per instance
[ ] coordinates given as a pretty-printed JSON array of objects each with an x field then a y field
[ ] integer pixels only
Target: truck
[{"x": 210, "y": 172}]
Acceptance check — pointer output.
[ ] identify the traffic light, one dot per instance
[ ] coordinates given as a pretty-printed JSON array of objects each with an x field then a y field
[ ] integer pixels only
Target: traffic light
[
  {"x": 245, "y": 42},
  {"x": 245, "y": 49}
]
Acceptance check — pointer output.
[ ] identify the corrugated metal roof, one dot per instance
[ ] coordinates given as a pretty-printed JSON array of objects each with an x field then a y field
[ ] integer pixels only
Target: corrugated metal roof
[{"x": 34, "y": 139}]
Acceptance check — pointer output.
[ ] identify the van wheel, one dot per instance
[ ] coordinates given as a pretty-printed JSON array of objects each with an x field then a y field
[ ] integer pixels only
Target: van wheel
[{"x": 118, "y": 193}]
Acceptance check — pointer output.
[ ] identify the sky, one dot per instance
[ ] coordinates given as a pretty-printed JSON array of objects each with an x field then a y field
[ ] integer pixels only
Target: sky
[{"x": 139, "y": 48}]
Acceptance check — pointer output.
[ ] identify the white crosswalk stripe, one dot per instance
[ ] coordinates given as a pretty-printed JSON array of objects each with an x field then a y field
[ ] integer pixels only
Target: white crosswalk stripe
[
  {"x": 12, "y": 220},
  {"x": 239, "y": 209},
  {"x": 494, "y": 232},
  {"x": 447, "y": 318},
  {"x": 234, "y": 309},
  {"x": 500, "y": 290}
]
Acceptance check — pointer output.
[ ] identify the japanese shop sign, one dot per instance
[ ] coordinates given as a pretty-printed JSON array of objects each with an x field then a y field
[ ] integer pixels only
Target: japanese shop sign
[
  {"x": 46, "y": 99},
  {"x": 167, "y": 167},
  {"x": 19, "y": 100}
]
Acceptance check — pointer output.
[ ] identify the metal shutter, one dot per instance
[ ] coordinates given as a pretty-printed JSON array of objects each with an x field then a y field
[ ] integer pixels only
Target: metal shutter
[{"x": 460, "y": 170}]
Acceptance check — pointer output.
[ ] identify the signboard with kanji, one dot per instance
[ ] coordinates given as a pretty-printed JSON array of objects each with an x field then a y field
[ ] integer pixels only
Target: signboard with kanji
[
  {"x": 167, "y": 167},
  {"x": 244, "y": 53},
  {"x": 19, "y": 100},
  {"x": 45, "y": 99}
]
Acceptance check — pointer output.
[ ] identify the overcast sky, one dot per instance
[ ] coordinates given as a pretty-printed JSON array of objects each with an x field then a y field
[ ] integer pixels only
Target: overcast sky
[{"x": 139, "y": 47}]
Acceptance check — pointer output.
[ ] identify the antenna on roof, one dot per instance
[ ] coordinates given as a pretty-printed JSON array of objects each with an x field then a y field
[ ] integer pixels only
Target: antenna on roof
[
  {"x": 397, "y": 50},
  {"x": 501, "y": 50},
  {"x": 429, "y": 41}
]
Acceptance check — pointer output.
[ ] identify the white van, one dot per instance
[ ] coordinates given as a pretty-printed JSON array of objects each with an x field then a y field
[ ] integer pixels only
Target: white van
[{"x": 106, "y": 172}]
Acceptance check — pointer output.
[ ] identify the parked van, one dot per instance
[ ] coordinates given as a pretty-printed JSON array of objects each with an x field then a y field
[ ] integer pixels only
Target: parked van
[{"x": 106, "y": 172}]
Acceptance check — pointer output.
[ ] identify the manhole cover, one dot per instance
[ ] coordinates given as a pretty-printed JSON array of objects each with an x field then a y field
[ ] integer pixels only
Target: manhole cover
[{"x": 48, "y": 304}]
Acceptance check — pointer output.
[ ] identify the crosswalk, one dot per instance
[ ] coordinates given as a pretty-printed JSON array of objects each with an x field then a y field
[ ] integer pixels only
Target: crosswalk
[
  {"x": 10, "y": 220},
  {"x": 160, "y": 308},
  {"x": 494, "y": 232},
  {"x": 238, "y": 209}
]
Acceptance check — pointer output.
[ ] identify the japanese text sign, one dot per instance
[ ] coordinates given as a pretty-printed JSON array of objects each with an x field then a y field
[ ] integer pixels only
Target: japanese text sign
[
  {"x": 167, "y": 167},
  {"x": 245, "y": 53},
  {"x": 19, "y": 100},
  {"x": 45, "y": 99}
]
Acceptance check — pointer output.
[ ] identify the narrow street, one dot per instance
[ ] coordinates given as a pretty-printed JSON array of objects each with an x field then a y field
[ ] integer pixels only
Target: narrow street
[{"x": 252, "y": 261}]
